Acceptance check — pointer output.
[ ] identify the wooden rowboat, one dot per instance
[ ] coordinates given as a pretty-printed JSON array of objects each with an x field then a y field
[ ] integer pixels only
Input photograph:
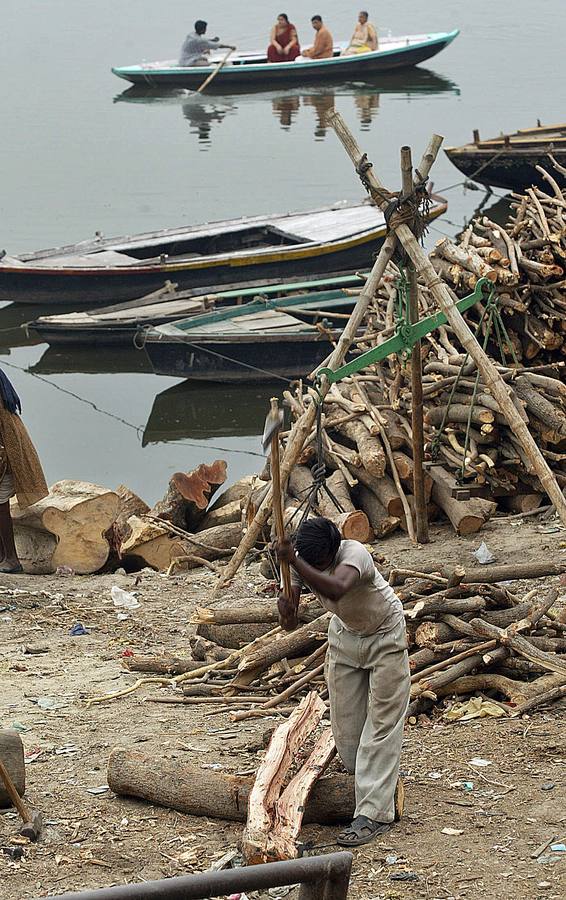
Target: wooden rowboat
[
  {"x": 336, "y": 238},
  {"x": 261, "y": 341},
  {"x": 510, "y": 160},
  {"x": 253, "y": 70},
  {"x": 117, "y": 325}
]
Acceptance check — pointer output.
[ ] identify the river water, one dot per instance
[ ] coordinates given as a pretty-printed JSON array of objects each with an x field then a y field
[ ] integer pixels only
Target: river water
[{"x": 80, "y": 153}]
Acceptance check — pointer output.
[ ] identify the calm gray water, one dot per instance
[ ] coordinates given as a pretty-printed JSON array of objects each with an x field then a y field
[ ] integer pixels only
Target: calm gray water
[{"x": 79, "y": 154}]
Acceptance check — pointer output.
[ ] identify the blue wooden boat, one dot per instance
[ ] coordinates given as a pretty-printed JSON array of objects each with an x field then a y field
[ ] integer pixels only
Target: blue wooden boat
[
  {"x": 117, "y": 325},
  {"x": 260, "y": 341},
  {"x": 253, "y": 69},
  {"x": 338, "y": 238}
]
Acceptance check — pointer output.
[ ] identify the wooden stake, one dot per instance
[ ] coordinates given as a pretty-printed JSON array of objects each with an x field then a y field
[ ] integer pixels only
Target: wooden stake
[
  {"x": 417, "y": 425},
  {"x": 492, "y": 379},
  {"x": 277, "y": 501}
]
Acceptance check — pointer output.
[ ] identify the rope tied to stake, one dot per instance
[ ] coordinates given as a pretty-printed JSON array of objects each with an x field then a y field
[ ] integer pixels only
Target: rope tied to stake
[{"x": 412, "y": 210}]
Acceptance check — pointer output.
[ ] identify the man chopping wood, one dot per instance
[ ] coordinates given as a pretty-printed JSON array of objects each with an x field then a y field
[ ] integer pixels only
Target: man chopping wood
[{"x": 368, "y": 669}]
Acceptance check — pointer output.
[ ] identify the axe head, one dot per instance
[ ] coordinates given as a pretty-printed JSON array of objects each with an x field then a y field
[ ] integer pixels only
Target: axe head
[
  {"x": 32, "y": 828},
  {"x": 273, "y": 423}
]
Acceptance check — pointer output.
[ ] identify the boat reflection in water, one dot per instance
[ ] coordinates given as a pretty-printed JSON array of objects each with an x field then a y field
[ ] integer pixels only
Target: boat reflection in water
[
  {"x": 205, "y": 111},
  {"x": 203, "y": 411},
  {"x": 90, "y": 361}
]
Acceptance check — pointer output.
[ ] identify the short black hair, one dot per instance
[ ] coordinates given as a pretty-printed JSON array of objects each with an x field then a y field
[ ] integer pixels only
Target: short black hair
[
  {"x": 316, "y": 18},
  {"x": 283, "y": 16},
  {"x": 364, "y": 12},
  {"x": 200, "y": 26},
  {"x": 317, "y": 540}
]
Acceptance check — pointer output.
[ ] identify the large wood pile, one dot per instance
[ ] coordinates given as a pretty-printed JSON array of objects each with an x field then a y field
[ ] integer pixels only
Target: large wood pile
[
  {"x": 526, "y": 262},
  {"x": 467, "y": 634},
  {"x": 367, "y": 438}
]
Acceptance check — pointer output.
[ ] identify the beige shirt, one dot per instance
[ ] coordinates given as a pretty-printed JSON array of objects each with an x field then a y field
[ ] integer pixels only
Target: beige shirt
[{"x": 371, "y": 605}]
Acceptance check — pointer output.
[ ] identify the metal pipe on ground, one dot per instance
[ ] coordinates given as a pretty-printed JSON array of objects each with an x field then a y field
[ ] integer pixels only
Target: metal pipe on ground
[{"x": 321, "y": 878}]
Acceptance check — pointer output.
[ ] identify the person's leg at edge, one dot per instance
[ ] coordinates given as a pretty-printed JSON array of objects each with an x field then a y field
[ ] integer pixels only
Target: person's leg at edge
[{"x": 10, "y": 563}]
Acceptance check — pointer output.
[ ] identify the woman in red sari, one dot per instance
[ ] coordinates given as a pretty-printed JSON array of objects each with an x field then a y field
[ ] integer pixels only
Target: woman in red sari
[{"x": 284, "y": 41}]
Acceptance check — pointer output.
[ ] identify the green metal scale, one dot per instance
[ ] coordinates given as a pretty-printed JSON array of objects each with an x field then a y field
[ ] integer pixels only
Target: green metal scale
[{"x": 406, "y": 336}]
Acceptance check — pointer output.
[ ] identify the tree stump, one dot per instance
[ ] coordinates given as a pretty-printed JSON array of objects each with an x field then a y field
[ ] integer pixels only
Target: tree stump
[
  {"x": 189, "y": 493},
  {"x": 66, "y": 528}
]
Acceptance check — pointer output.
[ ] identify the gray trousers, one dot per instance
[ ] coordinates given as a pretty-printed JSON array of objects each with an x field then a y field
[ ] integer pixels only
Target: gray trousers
[{"x": 369, "y": 683}]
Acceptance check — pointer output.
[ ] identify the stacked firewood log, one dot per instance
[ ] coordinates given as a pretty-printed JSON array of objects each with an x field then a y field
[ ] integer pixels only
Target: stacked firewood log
[
  {"x": 466, "y": 633},
  {"x": 526, "y": 261}
]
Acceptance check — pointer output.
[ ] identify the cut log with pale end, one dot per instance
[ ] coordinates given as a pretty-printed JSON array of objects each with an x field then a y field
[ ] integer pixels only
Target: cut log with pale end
[
  {"x": 286, "y": 645},
  {"x": 369, "y": 446},
  {"x": 154, "y": 546},
  {"x": 164, "y": 664},
  {"x": 381, "y": 523},
  {"x": 206, "y": 650},
  {"x": 289, "y": 809},
  {"x": 251, "y": 612},
  {"x": 522, "y": 503},
  {"x": 233, "y": 636},
  {"x": 352, "y": 523},
  {"x": 236, "y": 491},
  {"x": 67, "y": 528},
  {"x": 384, "y": 489},
  {"x": 467, "y": 516},
  {"x": 405, "y": 468},
  {"x": 428, "y": 634},
  {"x": 129, "y": 505},
  {"x": 285, "y": 742},
  {"x": 189, "y": 493},
  {"x": 222, "y": 515},
  {"x": 186, "y": 787},
  {"x": 151, "y": 544}
]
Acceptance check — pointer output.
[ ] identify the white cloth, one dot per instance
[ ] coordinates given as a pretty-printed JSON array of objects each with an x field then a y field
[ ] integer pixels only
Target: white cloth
[{"x": 371, "y": 606}]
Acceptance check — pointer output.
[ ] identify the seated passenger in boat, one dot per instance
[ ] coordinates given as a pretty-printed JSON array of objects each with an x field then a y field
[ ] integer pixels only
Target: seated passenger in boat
[
  {"x": 284, "y": 41},
  {"x": 364, "y": 38},
  {"x": 196, "y": 47},
  {"x": 323, "y": 42}
]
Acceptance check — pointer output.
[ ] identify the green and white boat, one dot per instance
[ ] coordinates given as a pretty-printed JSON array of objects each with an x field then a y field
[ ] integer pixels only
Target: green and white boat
[{"x": 252, "y": 70}]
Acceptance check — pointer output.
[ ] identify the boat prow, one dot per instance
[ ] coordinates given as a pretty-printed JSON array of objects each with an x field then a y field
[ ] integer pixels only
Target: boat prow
[{"x": 510, "y": 161}]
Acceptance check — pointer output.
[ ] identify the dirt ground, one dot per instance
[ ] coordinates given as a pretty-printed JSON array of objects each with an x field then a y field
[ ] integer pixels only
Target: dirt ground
[{"x": 93, "y": 838}]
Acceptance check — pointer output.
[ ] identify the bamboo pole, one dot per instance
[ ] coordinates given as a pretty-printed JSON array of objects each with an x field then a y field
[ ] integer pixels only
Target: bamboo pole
[
  {"x": 304, "y": 424},
  {"x": 417, "y": 424},
  {"x": 492, "y": 379}
]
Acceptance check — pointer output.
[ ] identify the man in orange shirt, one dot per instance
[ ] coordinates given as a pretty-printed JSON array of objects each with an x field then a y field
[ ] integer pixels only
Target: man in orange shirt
[{"x": 323, "y": 43}]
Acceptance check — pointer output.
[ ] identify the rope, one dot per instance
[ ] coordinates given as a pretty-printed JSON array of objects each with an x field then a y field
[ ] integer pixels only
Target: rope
[{"x": 139, "y": 429}]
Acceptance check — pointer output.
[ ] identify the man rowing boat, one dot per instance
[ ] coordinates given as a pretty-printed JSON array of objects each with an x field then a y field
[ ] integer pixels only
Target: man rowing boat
[{"x": 196, "y": 47}]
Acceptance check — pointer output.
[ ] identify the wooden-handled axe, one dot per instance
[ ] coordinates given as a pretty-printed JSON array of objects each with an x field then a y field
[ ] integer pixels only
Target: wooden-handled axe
[
  {"x": 31, "y": 818},
  {"x": 273, "y": 425}
]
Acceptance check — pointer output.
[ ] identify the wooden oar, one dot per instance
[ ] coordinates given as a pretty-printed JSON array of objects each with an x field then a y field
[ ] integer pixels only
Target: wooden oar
[{"x": 214, "y": 74}]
